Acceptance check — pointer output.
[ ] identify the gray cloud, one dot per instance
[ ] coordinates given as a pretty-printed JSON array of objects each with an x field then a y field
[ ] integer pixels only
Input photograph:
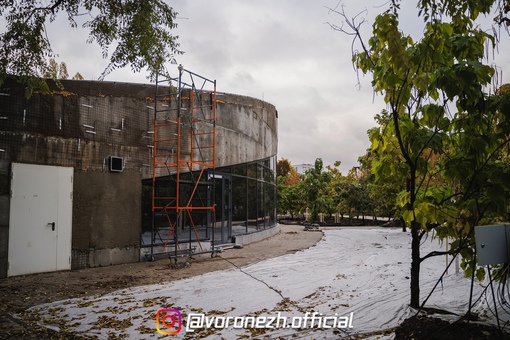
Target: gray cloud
[
  {"x": 285, "y": 53},
  {"x": 282, "y": 51}
]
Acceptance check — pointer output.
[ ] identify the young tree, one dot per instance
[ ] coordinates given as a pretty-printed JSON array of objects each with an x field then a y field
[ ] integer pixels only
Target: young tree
[
  {"x": 289, "y": 189},
  {"x": 293, "y": 199},
  {"x": 444, "y": 125},
  {"x": 335, "y": 190},
  {"x": 316, "y": 182},
  {"x": 356, "y": 193},
  {"x": 138, "y": 31}
]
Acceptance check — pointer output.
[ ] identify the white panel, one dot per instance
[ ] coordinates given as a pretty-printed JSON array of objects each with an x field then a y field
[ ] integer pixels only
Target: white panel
[
  {"x": 492, "y": 242},
  {"x": 36, "y": 204}
]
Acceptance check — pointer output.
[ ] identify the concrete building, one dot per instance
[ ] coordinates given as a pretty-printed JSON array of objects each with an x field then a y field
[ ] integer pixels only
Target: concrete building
[{"x": 74, "y": 165}]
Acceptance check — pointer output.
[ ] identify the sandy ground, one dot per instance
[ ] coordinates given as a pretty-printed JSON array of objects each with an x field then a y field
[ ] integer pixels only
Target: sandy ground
[{"x": 20, "y": 293}]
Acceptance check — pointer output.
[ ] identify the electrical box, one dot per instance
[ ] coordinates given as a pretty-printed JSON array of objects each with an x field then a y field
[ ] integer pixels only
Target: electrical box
[
  {"x": 492, "y": 244},
  {"x": 116, "y": 164}
]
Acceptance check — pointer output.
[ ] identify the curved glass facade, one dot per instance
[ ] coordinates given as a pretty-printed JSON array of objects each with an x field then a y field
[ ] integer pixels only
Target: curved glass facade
[
  {"x": 251, "y": 188},
  {"x": 244, "y": 198}
]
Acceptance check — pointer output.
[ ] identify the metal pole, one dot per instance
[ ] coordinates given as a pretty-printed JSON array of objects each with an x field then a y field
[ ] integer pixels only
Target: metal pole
[
  {"x": 177, "y": 177},
  {"x": 493, "y": 297}
]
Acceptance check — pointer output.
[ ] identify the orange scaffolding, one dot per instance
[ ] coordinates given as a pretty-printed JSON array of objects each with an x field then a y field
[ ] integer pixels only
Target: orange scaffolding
[{"x": 184, "y": 154}]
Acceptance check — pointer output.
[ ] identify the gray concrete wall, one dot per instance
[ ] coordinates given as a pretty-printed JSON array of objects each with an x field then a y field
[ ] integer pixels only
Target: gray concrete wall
[
  {"x": 89, "y": 121},
  {"x": 106, "y": 213},
  {"x": 257, "y": 235},
  {"x": 247, "y": 129}
]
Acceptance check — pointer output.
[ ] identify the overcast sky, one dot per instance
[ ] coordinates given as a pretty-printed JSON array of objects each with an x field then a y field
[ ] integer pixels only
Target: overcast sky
[{"x": 281, "y": 51}]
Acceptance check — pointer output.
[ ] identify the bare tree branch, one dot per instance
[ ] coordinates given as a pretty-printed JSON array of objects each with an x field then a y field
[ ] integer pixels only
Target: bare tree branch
[{"x": 353, "y": 30}]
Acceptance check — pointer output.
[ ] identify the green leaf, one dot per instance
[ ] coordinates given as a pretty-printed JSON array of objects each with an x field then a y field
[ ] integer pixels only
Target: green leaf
[
  {"x": 480, "y": 274},
  {"x": 408, "y": 216},
  {"x": 403, "y": 198}
]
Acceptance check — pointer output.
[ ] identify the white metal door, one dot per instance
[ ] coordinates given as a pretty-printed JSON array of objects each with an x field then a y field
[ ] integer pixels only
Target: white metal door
[{"x": 40, "y": 219}]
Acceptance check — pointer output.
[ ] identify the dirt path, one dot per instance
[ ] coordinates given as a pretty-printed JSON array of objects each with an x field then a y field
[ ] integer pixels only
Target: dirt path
[{"x": 20, "y": 293}]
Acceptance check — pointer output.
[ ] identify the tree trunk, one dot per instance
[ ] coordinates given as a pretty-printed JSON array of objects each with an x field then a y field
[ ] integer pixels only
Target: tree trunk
[
  {"x": 415, "y": 243},
  {"x": 415, "y": 265}
]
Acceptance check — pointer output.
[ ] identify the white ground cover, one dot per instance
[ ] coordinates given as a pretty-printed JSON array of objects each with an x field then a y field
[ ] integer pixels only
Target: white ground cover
[{"x": 359, "y": 278}]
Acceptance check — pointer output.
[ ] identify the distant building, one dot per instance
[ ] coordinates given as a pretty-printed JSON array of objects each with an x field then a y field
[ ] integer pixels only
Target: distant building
[{"x": 302, "y": 168}]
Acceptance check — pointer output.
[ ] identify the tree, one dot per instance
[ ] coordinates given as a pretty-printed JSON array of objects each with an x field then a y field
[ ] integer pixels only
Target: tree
[
  {"x": 283, "y": 167},
  {"x": 336, "y": 197},
  {"x": 138, "y": 32},
  {"x": 78, "y": 76},
  {"x": 316, "y": 182},
  {"x": 291, "y": 198},
  {"x": 384, "y": 190},
  {"x": 59, "y": 71},
  {"x": 289, "y": 189},
  {"x": 443, "y": 124},
  {"x": 56, "y": 71},
  {"x": 356, "y": 193}
]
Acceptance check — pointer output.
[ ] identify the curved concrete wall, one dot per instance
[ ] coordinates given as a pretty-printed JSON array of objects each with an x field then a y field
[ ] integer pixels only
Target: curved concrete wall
[
  {"x": 91, "y": 120},
  {"x": 247, "y": 129},
  {"x": 88, "y": 121}
]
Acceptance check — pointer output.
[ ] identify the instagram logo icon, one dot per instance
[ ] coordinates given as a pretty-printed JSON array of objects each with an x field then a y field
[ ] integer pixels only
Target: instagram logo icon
[{"x": 168, "y": 321}]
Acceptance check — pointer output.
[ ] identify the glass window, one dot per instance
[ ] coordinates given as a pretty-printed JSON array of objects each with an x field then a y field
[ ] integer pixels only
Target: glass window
[
  {"x": 252, "y": 170},
  {"x": 245, "y": 205},
  {"x": 252, "y": 205},
  {"x": 239, "y": 170},
  {"x": 239, "y": 205},
  {"x": 260, "y": 206},
  {"x": 260, "y": 171}
]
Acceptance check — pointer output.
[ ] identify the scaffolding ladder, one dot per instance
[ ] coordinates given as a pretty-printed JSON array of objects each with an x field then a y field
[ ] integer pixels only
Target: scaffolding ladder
[{"x": 184, "y": 154}]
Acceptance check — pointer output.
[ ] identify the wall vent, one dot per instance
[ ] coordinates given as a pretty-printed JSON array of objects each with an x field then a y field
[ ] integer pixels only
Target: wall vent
[{"x": 116, "y": 164}]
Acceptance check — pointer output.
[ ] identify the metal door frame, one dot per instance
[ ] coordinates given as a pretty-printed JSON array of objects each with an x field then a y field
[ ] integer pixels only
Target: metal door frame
[{"x": 223, "y": 213}]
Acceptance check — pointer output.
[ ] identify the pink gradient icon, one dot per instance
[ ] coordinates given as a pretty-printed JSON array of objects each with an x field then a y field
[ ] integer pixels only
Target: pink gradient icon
[{"x": 168, "y": 321}]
